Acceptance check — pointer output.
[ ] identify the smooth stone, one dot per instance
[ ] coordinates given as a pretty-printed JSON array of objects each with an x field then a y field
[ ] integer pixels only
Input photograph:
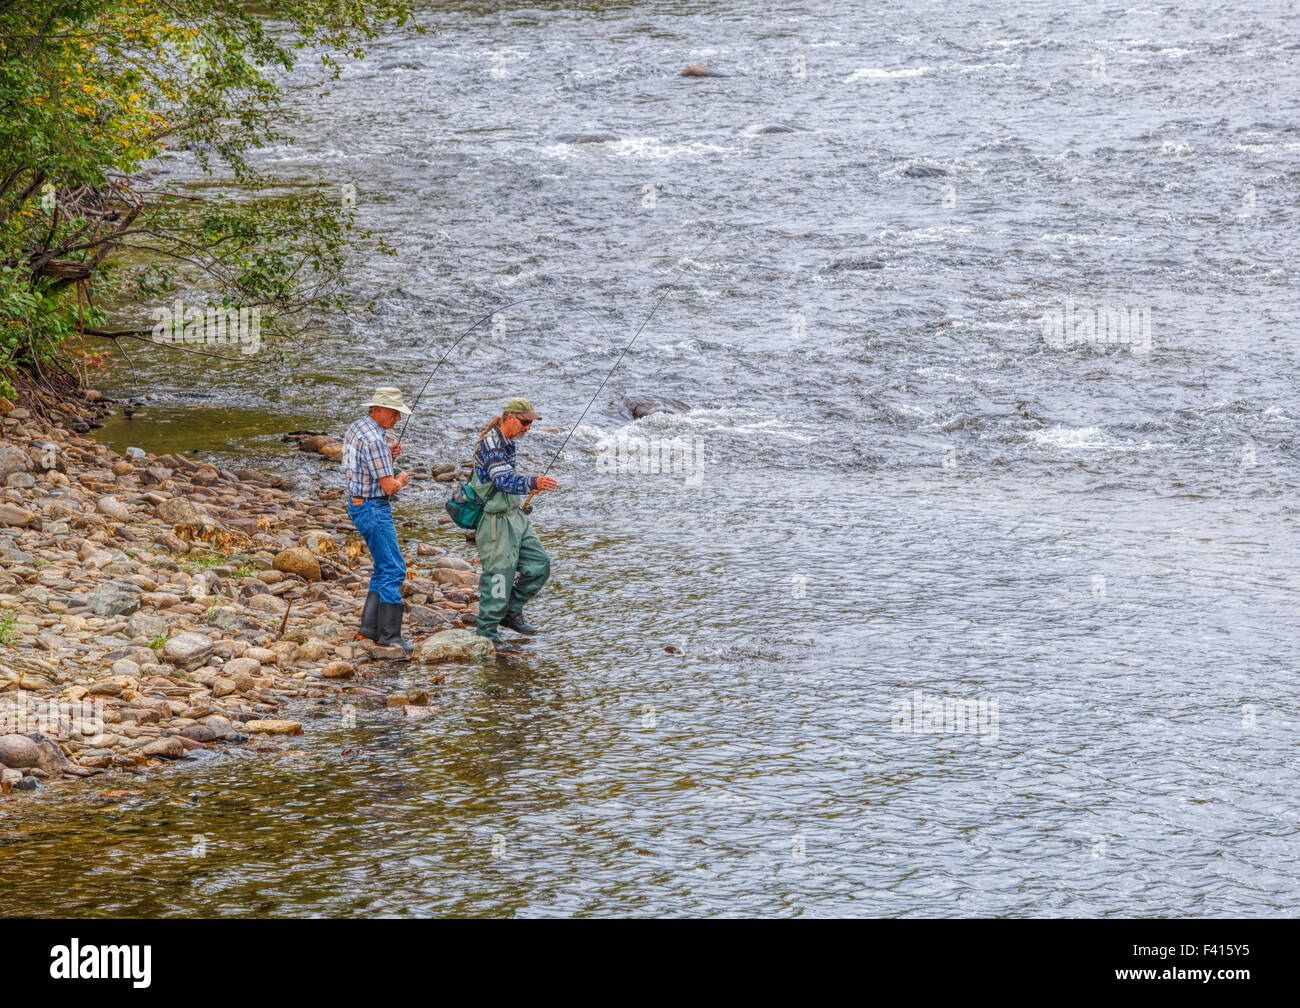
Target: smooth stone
[
  {"x": 169, "y": 747},
  {"x": 114, "y": 508},
  {"x": 297, "y": 560},
  {"x": 448, "y": 645},
  {"x": 18, "y": 751},
  {"x": 274, "y": 727}
]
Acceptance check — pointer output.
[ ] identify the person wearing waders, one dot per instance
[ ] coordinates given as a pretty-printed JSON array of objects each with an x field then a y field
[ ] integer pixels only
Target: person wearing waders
[
  {"x": 514, "y": 565},
  {"x": 368, "y": 469}
]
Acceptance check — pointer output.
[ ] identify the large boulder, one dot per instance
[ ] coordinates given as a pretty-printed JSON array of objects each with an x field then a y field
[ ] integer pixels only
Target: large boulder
[
  {"x": 298, "y": 560},
  {"x": 452, "y": 645}
]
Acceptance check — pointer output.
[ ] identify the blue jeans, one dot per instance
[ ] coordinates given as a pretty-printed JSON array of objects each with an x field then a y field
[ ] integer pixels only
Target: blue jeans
[{"x": 374, "y": 520}]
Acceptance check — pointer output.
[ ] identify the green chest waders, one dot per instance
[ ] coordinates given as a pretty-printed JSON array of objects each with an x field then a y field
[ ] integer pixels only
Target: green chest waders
[{"x": 514, "y": 565}]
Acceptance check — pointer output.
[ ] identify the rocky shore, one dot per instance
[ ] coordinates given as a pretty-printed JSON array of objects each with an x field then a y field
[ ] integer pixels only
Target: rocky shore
[{"x": 153, "y": 606}]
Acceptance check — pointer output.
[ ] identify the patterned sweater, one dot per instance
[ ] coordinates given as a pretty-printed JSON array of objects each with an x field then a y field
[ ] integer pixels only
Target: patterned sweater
[{"x": 494, "y": 462}]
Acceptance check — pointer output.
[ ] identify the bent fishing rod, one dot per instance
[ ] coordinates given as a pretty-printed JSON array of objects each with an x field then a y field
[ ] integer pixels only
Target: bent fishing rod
[
  {"x": 527, "y": 505},
  {"x": 401, "y": 436}
]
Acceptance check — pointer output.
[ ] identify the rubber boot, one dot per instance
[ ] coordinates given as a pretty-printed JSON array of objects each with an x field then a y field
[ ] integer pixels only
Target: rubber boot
[
  {"x": 515, "y": 621},
  {"x": 390, "y": 626},
  {"x": 369, "y": 618}
]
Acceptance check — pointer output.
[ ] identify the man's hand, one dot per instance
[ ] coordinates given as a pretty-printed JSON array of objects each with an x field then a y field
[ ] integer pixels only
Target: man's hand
[
  {"x": 546, "y": 483},
  {"x": 391, "y": 484},
  {"x": 395, "y": 448}
]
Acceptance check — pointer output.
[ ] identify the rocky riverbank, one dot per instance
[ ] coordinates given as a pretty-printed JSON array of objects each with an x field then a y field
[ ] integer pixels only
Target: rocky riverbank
[{"x": 153, "y": 606}]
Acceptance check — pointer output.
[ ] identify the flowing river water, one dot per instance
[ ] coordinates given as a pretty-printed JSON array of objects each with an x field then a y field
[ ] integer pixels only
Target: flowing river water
[{"x": 910, "y": 492}]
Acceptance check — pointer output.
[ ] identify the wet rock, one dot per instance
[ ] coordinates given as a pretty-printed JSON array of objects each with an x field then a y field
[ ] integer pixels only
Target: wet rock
[
  {"x": 18, "y": 751},
  {"x": 170, "y": 747},
  {"x": 187, "y": 650},
  {"x": 297, "y": 560},
  {"x": 452, "y": 563},
  {"x": 452, "y": 645},
  {"x": 585, "y": 138},
  {"x": 700, "y": 70},
  {"x": 114, "y": 508},
  {"x": 418, "y": 714},
  {"x": 51, "y": 758},
  {"x": 223, "y": 687},
  {"x": 199, "y": 733},
  {"x": 220, "y": 725},
  {"x": 923, "y": 171},
  {"x": 27, "y": 784},
  {"x": 274, "y": 727},
  {"x": 20, "y": 480},
  {"x": 264, "y": 656},
  {"x": 338, "y": 670}
]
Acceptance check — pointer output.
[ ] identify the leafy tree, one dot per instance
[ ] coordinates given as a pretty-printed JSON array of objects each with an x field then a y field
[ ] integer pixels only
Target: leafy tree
[{"x": 91, "y": 91}]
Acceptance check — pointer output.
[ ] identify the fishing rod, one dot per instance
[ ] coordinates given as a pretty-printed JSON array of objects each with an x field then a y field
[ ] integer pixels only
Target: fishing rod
[
  {"x": 527, "y": 505},
  {"x": 401, "y": 436}
]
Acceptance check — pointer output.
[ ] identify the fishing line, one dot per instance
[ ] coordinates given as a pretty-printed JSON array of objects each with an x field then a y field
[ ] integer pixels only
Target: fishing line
[
  {"x": 479, "y": 321},
  {"x": 618, "y": 360}
]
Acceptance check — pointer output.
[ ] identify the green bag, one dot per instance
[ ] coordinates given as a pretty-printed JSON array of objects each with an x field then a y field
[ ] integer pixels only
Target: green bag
[{"x": 466, "y": 507}]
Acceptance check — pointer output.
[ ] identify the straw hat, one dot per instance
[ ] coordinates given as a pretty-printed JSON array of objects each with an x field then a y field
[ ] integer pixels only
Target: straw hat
[{"x": 390, "y": 398}]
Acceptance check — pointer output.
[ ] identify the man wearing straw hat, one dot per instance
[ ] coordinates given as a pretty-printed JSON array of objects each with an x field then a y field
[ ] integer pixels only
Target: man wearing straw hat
[{"x": 368, "y": 469}]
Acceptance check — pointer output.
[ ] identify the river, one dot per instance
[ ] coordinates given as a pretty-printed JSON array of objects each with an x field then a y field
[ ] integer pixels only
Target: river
[{"x": 910, "y": 491}]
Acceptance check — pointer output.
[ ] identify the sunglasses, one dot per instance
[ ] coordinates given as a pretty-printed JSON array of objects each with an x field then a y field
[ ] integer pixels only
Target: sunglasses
[{"x": 524, "y": 423}]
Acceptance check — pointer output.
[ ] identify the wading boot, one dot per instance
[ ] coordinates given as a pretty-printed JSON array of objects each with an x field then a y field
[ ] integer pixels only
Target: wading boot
[
  {"x": 390, "y": 626},
  {"x": 369, "y": 618},
  {"x": 515, "y": 621}
]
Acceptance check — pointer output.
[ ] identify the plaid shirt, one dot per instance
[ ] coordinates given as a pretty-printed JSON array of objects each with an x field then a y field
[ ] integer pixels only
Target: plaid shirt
[{"x": 366, "y": 458}]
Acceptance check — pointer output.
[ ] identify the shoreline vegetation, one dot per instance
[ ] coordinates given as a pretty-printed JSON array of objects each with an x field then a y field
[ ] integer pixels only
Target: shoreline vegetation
[
  {"x": 152, "y": 607},
  {"x": 98, "y": 98}
]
